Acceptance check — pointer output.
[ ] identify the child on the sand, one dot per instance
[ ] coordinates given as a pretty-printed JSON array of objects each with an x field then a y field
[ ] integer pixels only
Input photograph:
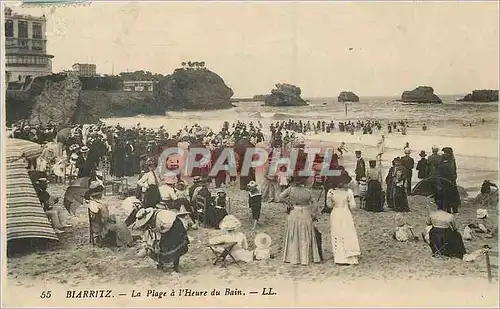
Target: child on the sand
[
  {"x": 230, "y": 225},
  {"x": 254, "y": 201},
  {"x": 403, "y": 231}
]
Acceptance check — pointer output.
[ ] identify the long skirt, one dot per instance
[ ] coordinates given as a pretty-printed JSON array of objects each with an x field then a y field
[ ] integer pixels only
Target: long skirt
[
  {"x": 300, "y": 245},
  {"x": 270, "y": 191},
  {"x": 447, "y": 241},
  {"x": 400, "y": 199},
  {"x": 374, "y": 197},
  {"x": 174, "y": 243},
  {"x": 152, "y": 196},
  {"x": 214, "y": 216},
  {"x": 344, "y": 237},
  {"x": 390, "y": 196}
]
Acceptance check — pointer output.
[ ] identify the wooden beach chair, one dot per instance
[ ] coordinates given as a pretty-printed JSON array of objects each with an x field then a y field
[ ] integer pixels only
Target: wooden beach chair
[
  {"x": 491, "y": 255},
  {"x": 220, "y": 257}
]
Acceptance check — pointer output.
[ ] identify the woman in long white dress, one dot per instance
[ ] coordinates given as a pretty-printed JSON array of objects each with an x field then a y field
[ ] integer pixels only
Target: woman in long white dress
[{"x": 344, "y": 236}]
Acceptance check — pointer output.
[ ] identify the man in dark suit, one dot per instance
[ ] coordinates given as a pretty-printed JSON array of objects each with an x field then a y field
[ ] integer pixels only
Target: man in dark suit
[{"x": 360, "y": 170}]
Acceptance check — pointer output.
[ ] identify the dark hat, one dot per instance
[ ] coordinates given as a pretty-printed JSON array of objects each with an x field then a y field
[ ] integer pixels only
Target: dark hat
[
  {"x": 93, "y": 192},
  {"x": 422, "y": 153},
  {"x": 357, "y": 152},
  {"x": 372, "y": 162}
]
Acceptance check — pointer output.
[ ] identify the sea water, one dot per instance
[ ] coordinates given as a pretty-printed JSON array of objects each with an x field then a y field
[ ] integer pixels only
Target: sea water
[{"x": 471, "y": 129}]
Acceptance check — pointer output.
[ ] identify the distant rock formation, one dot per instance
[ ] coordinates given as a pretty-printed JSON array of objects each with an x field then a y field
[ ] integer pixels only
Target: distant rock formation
[
  {"x": 260, "y": 97},
  {"x": 347, "y": 96},
  {"x": 193, "y": 90},
  {"x": 285, "y": 95},
  {"x": 421, "y": 94},
  {"x": 481, "y": 96}
]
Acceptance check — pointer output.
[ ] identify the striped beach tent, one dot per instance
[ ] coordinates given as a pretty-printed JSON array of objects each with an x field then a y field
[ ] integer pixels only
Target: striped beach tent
[{"x": 25, "y": 215}]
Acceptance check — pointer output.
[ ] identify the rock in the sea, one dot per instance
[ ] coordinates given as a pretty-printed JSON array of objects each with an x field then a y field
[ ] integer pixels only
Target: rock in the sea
[
  {"x": 421, "y": 94},
  {"x": 188, "y": 89},
  {"x": 481, "y": 96},
  {"x": 347, "y": 96},
  {"x": 285, "y": 95}
]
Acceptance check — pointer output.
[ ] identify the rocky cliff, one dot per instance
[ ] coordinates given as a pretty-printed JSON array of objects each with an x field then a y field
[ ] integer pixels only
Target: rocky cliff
[
  {"x": 285, "y": 95},
  {"x": 67, "y": 98},
  {"x": 193, "y": 90},
  {"x": 421, "y": 94},
  {"x": 347, "y": 96},
  {"x": 481, "y": 96}
]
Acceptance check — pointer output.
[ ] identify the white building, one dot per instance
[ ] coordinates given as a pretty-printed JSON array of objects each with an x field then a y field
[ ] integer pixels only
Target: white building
[
  {"x": 138, "y": 85},
  {"x": 25, "y": 47},
  {"x": 85, "y": 69}
]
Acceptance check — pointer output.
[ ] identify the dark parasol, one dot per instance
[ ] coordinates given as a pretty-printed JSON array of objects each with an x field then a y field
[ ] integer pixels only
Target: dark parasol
[{"x": 440, "y": 189}]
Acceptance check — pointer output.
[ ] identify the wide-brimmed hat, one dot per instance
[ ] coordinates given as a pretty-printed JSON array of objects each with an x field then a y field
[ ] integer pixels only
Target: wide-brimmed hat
[
  {"x": 252, "y": 184},
  {"x": 481, "y": 213},
  {"x": 229, "y": 223},
  {"x": 170, "y": 180},
  {"x": 143, "y": 216},
  {"x": 84, "y": 149},
  {"x": 262, "y": 240},
  {"x": 74, "y": 147},
  {"x": 183, "y": 211},
  {"x": 422, "y": 153},
  {"x": 93, "y": 192}
]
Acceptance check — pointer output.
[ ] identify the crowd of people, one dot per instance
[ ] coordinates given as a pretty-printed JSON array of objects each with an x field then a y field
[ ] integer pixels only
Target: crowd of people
[{"x": 166, "y": 208}]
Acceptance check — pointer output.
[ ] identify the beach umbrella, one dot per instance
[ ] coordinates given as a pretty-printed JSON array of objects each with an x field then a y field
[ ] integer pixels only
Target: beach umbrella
[
  {"x": 17, "y": 148},
  {"x": 438, "y": 188},
  {"x": 73, "y": 198},
  {"x": 63, "y": 135}
]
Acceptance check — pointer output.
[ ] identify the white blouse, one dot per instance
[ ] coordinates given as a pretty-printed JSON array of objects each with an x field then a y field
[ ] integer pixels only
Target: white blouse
[{"x": 148, "y": 179}]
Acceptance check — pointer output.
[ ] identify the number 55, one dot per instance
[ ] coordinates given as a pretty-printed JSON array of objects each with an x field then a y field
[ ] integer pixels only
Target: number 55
[{"x": 45, "y": 294}]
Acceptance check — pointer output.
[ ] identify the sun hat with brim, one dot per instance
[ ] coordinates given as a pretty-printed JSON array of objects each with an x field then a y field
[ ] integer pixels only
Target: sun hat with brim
[
  {"x": 170, "y": 180},
  {"x": 93, "y": 207},
  {"x": 84, "y": 149},
  {"x": 74, "y": 147},
  {"x": 229, "y": 223},
  {"x": 142, "y": 217},
  {"x": 262, "y": 240},
  {"x": 481, "y": 213},
  {"x": 407, "y": 150},
  {"x": 182, "y": 211},
  {"x": 252, "y": 184}
]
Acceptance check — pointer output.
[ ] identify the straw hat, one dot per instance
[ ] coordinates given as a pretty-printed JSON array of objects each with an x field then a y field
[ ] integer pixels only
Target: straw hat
[
  {"x": 407, "y": 150},
  {"x": 84, "y": 149},
  {"x": 93, "y": 207},
  {"x": 74, "y": 147},
  {"x": 170, "y": 180},
  {"x": 143, "y": 216},
  {"x": 262, "y": 241},
  {"x": 481, "y": 213},
  {"x": 252, "y": 184},
  {"x": 229, "y": 223},
  {"x": 183, "y": 211}
]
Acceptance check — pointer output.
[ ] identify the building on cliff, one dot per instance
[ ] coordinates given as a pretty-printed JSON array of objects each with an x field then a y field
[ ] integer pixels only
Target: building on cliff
[
  {"x": 25, "y": 47},
  {"x": 85, "y": 69},
  {"x": 137, "y": 85}
]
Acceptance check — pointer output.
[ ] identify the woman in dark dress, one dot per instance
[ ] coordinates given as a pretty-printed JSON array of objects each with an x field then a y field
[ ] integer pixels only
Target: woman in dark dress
[
  {"x": 374, "y": 195},
  {"x": 400, "y": 198},
  {"x": 254, "y": 201},
  {"x": 389, "y": 181},
  {"x": 444, "y": 238}
]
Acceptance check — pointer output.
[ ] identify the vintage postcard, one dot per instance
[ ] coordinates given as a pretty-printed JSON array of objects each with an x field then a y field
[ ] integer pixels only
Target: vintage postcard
[{"x": 249, "y": 154}]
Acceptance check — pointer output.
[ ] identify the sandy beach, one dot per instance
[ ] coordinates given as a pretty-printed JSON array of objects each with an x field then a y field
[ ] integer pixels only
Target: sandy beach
[{"x": 74, "y": 262}]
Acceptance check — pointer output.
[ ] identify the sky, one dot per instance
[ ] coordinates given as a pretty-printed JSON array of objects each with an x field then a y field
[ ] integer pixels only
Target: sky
[{"x": 373, "y": 49}]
